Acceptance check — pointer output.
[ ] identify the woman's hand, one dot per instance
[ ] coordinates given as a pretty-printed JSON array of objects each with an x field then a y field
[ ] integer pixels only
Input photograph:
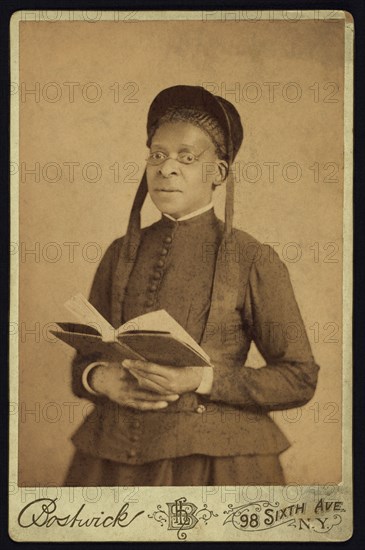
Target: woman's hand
[
  {"x": 162, "y": 379},
  {"x": 122, "y": 388}
]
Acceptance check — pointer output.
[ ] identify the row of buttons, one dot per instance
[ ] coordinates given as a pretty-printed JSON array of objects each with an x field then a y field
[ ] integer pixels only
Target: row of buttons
[
  {"x": 153, "y": 286},
  {"x": 134, "y": 437},
  {"x": 157, "y": 274}
]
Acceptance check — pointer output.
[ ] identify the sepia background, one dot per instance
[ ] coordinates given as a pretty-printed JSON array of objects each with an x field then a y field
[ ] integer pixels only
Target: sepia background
[{"x": 84, "y": 91}]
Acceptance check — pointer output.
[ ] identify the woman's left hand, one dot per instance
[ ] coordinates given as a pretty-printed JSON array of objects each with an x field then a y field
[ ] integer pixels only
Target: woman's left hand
[{"x": 164, "y": 379}]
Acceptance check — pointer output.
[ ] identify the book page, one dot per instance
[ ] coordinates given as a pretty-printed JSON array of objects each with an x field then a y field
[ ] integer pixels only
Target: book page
[
  {"x": 85, "y": 313},
  {"x": 161, "y": 321}
]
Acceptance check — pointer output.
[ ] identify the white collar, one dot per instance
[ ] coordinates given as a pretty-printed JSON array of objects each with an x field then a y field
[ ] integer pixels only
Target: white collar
[{"x": 192, "y": 214}]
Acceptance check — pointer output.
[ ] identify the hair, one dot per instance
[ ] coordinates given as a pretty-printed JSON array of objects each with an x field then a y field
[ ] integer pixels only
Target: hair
[{"x": 202, "y": 120}]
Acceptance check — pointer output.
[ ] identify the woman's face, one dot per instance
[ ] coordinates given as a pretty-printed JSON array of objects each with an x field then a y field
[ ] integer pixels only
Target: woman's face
[{"x": 177, "y": 188}]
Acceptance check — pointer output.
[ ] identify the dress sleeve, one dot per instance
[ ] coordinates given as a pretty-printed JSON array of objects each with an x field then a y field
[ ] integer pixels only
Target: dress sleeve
[
  {"x": 100, "y": 298},
  {"x": 273, "y": 321}
]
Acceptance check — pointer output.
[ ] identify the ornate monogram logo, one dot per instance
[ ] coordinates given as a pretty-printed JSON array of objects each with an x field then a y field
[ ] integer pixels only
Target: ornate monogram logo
[{"x": 181, "y": 516}]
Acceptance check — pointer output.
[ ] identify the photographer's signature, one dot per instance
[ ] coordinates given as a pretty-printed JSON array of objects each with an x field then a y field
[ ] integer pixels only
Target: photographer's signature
[{"x": 42, "y": 512}]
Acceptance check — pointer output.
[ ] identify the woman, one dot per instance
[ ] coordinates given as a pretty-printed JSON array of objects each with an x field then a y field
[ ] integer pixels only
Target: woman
[{"x": 160, "y": 425}]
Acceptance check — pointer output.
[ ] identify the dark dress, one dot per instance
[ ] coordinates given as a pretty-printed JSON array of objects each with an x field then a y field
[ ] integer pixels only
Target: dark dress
[{"x": 177, "y": 276}]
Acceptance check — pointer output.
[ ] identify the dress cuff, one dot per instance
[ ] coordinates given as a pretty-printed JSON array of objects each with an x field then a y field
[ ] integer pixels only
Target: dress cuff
[
  {"x": 86, "y": 373},
  {"x": 205, "y": 386}
]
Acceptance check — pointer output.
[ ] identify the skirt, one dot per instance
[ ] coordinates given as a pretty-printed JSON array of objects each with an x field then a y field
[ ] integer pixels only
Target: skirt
[{"x": 194, "y": 470}]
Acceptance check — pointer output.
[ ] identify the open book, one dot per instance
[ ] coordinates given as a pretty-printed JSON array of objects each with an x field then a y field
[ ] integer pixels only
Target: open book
[{"x": 154, "y": 336}]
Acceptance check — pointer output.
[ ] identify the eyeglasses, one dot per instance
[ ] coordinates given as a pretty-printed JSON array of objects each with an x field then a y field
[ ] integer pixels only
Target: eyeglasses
[{"x": 185, "y": 157}]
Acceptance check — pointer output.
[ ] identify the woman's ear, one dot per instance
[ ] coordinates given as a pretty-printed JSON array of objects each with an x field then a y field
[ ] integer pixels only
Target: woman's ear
[{"x": 222, "y": 174}]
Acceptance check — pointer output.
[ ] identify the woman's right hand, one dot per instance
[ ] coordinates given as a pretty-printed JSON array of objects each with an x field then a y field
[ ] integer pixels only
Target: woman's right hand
[{"x": 121, "y": 387}]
